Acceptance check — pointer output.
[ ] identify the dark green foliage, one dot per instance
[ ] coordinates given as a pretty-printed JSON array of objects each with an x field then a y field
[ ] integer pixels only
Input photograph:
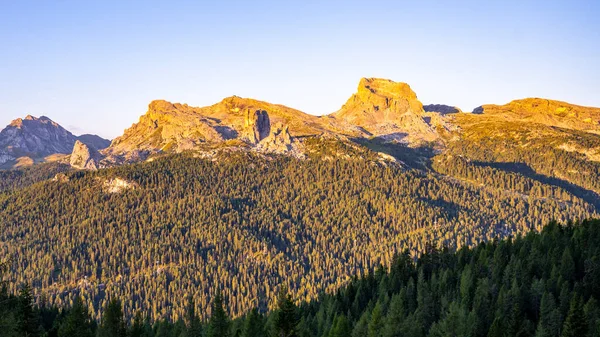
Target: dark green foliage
[
  {"x": 341, "y": 327},
  {"x": 138, "y": 328},
  {"x": 493, "y": 289},
  {"x": 576, "y": 323},
  {"x": 192, "y": 321},
  {"x": 286, "y": 315},
  {"x": 77, "y": 322},
  {"x": 218, "y": 324},
  {"x": 549, "y": 323},
  {"x": 27, "y": 316},
  {"x": 253, "y": 325},
  {"x": 112, "y": 324}
]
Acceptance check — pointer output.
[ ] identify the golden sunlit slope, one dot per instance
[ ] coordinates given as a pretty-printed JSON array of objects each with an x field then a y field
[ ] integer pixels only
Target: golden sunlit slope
[{"x": 546, "y": 111}]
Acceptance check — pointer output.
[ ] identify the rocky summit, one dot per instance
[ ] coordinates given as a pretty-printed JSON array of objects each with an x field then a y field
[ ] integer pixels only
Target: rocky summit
[{"x": 380, "y": 111}]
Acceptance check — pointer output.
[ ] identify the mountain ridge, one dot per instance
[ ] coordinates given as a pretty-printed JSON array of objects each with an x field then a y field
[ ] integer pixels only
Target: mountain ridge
[{"x": 380, "y": 109}]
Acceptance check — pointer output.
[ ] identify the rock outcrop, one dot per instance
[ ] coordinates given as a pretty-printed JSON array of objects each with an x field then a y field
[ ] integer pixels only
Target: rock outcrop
[
  {"x": 441, "y": 108},
  {"x": 278, "y": 141},
  {"x": 84, "y": 157},
  {"x": 257, "y": 126},
  {"x": 391, "y": 111}
]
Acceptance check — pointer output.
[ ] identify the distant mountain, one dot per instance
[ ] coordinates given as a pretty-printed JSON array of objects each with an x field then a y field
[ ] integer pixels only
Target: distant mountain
[{"x": 31, "y": 139}]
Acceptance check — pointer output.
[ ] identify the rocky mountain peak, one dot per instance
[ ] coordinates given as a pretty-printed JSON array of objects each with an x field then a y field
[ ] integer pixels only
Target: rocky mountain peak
[
  {"x": 36, "y": 138},
  {"x": 83, "y": 157},
  {"x": 379, "y": 101},
  {"x": 382, "y": 91}
]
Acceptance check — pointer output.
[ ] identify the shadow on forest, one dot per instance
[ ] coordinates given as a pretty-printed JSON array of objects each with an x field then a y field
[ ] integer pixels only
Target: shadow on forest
[
  {"x": 417, "y": 157},
  {"x": 589, "y": 196}
]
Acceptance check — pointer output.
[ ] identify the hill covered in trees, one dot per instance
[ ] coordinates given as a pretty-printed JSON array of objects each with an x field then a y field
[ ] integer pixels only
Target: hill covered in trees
[
  {"x": 539, "y": 284},
  {"x": 154, "y": 233}
]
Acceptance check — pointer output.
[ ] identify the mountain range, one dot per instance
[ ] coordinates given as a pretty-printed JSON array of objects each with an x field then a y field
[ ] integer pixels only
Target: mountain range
[
  {"x": 381, "y": 111},
  {"x": 245, "y": 195}
]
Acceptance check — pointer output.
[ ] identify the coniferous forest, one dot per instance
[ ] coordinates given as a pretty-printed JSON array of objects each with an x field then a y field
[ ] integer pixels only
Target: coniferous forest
[
  {"x": 157, "y": 233},
  {"x": 538, "y": 284}
]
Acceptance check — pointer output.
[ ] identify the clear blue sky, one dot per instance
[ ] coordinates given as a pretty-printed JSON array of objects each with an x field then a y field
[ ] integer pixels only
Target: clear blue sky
[{"x": 93, "y": 66}]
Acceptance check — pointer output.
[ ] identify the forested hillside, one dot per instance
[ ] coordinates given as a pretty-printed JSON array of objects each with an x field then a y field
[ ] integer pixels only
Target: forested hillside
[
  {"x": 157, "y": 232},
  {"x": 544, "y": 284}
]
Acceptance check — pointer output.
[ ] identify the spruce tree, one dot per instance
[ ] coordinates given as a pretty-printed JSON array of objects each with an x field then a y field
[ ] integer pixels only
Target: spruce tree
[
  {"x": 253, "y": 325},
  {"x": 549, "y": 323},
  {"x": 193, "y": 326},
  {"x": 376, "y": 323},
  {"x": 77, "y": 322},
  {"x": 112, "y": 322},
  {"x": 286, "y": 316},
  {"x": 137, "y": 328},
  {"x": 341, "y": 327},
  {"x": 27, "y": 317},
  {"x": 218, "y": 324},
  {"x": 576, "y": 323}
]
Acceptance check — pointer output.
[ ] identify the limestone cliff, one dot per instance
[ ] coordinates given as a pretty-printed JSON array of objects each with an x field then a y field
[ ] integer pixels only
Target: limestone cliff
[
  {"x": 391, "y": 111},
  {"x": 83, "y": 157},
  {"x": 257, "y": 126}
]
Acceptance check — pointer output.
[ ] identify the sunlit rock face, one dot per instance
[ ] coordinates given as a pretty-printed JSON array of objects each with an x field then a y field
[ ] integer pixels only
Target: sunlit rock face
[{"x": 83, "y": 157}]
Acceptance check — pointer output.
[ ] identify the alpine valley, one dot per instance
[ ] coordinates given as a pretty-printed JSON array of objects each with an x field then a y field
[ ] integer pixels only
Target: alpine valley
[{"x": 246, "y": 197}]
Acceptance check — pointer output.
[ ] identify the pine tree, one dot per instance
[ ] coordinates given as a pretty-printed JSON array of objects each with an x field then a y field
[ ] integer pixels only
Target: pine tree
[
  {"x": 138, "y": 328},
  {"x": 77, "y": 322},
  {"x": 193, "y": 326},
  {"x": 27, "y": 317},
  {"x": 341, "y": 327},
  {"x": 395, "y": 316},
  {"x": 286, "y": 316},
  {"x": 253, "y": 325},
  {"x": 549, "y": 324},
  {"x": 218, "y": 325},
  {"x": 376, "y": 322},
  {"x": 592, "y": 314},
  {"x": 576, "y": 323},
  {"x": 454, "y": 324},
  {"x": 112, "y": 323},
  {"x": 361, "y": 328}
]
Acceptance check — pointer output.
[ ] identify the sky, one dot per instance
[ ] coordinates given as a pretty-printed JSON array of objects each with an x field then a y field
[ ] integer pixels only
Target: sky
[{"x": 93, "y": 66}]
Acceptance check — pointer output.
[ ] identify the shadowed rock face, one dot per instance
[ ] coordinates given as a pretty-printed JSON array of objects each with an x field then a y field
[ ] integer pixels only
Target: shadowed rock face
[
  {"x": 35, "y": 137},
  {"x": 93, "y": 141},
  {"x": 257, "y": 126},
  {"x": 279, "y": 140},
  {"x": 441, "y": 108}
]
